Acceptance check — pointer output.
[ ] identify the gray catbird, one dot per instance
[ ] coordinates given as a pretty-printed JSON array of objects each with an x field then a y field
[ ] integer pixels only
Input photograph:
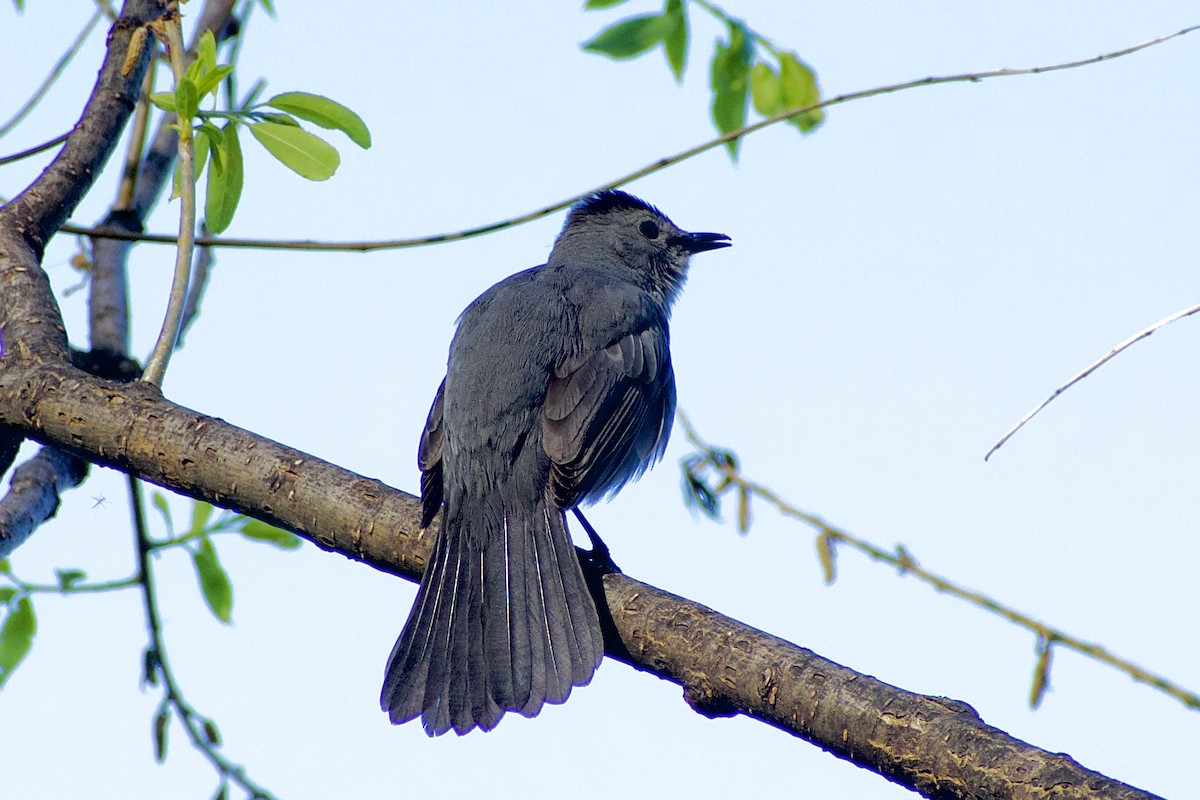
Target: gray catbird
[{"x": 558, "y": 391}]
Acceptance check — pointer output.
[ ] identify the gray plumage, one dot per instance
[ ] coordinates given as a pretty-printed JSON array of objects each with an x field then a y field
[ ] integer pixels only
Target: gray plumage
[{"x": 558, "y": 391}]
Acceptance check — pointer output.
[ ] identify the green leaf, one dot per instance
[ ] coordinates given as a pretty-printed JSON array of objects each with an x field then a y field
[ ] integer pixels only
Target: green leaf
[
  {"x": 210, "y": 80},
  {"x": 16, "y": 637},
  {"x": 262, "y": 532},
  {"x": 765, "y": 90},
  {"x": 799, "y": 88},
  {"x": 5, "y": 566},
  {"x": 161, "y": 720},
  {"x": 631, "y": 37},
  {"x": 676, "y": 43},
  {"x": 164, "y": 100},
  {"x": 224, "y": 191},
  {"x": 592, "y": 5},
  {"x": 214, "y": 582},
  {"x": 729, "y": 80},
  {"x": 206, "y": 52},
  {"x": 268, "y": 6},
  {"x": 160, "y": 502},
  {"x": 7, "y": 593},
  {"x": 307, "y": 155},
  {"x": 69, "y": 577},
  {"x": 187, "y": 99},
  {"x": 201, "y": 512},
  {"x": 324, "y": 112}
]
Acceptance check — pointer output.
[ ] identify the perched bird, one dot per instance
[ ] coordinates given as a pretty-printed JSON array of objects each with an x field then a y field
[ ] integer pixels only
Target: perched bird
[{"x": 558, "y": 391}]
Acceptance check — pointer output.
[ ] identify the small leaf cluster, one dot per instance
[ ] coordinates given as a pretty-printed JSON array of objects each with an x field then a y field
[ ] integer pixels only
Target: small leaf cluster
[
  {"x": 706, "y": 477},
  {"x": 215, "y": 585},
  {"x": 274, "y": 123},
  {"x": 745, "y": 66}
]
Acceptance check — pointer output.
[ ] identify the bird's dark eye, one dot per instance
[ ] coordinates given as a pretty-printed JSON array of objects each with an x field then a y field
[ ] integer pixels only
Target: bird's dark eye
[{"x": 649, "y": 229}]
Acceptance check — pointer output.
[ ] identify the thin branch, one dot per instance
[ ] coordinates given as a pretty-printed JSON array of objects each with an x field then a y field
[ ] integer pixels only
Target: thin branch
[
  {"x": 662, "y": 163},
  {"x": 33, "y": 495},
  {"x": 108, "y": 288},
  {"x": 197, "y": 726},
  {"x": 906, "y": 564},
  {"x": 160, "y": 356},
  {"x": 1095, "y": 365},
  {"x": 55, "y": 72},
  {"x": 33, "y": 151},
  {"x": 74, "y": 588},
  {"x": 200, "y": 274}
]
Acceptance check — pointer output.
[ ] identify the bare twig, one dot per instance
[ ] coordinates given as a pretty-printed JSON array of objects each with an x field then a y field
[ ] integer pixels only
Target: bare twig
[
  {"x": 54, "y": 195},
  {"x": 200, "y": 273},
  {"x": 662, "y": 163},
  {"x": 1095, "y": 365},
  {"x": 903, "y": 561},
  {"x": 33, "y": 151},
  {"x": 160, "y": 356},
  {"x": 108, "y": 289},
  {"x": 55, "y": 72}
]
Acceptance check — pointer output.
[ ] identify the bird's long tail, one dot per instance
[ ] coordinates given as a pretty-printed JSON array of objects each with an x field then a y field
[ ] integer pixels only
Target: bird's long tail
[{"x": 503, "y": 621}]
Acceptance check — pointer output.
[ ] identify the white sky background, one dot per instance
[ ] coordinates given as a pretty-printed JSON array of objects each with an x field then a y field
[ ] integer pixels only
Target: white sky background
[{"x": 904, "y": 284}]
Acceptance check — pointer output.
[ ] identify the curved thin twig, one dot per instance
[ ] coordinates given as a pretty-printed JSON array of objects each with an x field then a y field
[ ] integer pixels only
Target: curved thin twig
[
  {"x": 1095, "y": 365},
  {"x": 33, "y": 151},
  {"x": 55, "y": 72},
  {"x": 663, "y": 163},
  {"x": 160, "y": 356}
]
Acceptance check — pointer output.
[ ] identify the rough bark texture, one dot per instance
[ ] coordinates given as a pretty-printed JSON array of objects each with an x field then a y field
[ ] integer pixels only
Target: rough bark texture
[
  {"x": 129, "y": 426},
  {"x": 933, "y": 745}
]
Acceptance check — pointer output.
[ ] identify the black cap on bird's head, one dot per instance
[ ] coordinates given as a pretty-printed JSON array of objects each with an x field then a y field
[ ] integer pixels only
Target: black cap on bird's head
[{"x": 615, "y": 228}]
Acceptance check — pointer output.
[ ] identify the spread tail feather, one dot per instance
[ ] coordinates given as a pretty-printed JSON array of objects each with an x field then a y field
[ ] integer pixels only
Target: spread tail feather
[{"x": 508, "y": 625}]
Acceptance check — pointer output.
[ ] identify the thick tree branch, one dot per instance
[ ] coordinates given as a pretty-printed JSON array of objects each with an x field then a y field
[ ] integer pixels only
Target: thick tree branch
[
  {"x": 132, "y": 428},
  {"x": 935, "y": 746}
]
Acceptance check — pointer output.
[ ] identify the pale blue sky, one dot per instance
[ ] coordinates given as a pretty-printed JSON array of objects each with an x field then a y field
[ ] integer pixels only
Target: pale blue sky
[{"x": 903, "y": 285}]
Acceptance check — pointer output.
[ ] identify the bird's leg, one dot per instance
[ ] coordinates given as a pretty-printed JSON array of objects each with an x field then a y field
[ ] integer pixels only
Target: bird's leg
[{"x": 598, "y": 558}]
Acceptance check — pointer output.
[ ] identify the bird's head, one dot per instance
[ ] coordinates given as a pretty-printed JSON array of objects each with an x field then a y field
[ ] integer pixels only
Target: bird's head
[{"x": 613, "y": 229}]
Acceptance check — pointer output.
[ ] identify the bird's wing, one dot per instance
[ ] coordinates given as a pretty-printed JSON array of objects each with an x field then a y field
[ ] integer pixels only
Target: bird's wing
[
  {"x": 607, "y": 416},
  {"x": 429, "y": 459}
]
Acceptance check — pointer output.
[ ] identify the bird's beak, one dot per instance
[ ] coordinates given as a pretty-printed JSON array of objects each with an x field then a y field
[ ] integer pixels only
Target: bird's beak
[{"x": 699, "y": 242}]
